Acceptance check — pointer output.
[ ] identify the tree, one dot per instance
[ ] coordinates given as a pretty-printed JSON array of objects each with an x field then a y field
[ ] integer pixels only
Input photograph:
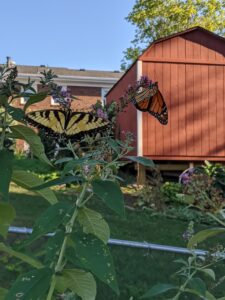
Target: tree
[{"x": 158, "y": 18}]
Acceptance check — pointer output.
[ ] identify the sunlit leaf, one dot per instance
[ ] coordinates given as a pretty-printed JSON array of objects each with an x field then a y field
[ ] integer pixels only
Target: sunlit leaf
[
  {"x": 93, "y": 222},
  {"x": 29, "y": 135},
  {"x": 203, "y": 235},
  {"x": 29, "y": 180},
  {"x": 80, "y": 282}
]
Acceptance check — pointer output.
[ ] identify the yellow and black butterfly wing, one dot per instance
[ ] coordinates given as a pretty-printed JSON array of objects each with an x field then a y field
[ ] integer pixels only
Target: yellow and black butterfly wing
[
  {"x": 66, "y": 123},
  {"x": 52, "y": 121},
  {"x": 83, "y": 123},
  {"x": 157, "y": 107}
]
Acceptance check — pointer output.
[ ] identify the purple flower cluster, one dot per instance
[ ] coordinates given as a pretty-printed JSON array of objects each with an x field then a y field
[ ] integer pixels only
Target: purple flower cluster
[
  {"x": 101, "y": 114},
  {"x": 63, "y": 97},
  {"x": 143, "y": 82},
  {"x": 185, "y": 177}
]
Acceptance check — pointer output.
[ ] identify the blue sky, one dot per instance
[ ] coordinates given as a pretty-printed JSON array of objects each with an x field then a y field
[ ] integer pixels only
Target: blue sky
[{"x": 90, "y": 34}]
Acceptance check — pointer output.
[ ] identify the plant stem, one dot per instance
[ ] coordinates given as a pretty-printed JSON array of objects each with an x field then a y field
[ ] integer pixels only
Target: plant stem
[
  {"x": 183, "y": 286},
  {"x": 52, "y": 287},
  {"x": 215, "y": 218},
  {"x": 69, "y": 229}
]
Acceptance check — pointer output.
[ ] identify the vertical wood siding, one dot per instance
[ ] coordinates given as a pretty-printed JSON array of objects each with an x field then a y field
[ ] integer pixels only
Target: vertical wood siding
[
  {"x": 190, "y": 70},
  {"x": 127, "y": 120}
]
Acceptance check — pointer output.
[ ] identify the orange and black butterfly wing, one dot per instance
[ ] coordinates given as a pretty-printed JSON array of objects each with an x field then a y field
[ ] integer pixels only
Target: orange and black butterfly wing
[
  {"x": 142, "y": 100},
  {"x": 142, "y": 105},
  {"x": 157, "y": 107}
]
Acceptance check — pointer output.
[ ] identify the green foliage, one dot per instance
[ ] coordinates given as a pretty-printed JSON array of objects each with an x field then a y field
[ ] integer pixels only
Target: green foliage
[
  {"x": 170, "y": 190},
  {"x": 101, "y": 264},
  {"x": 216, "y": 172},
  {"x": 7, "y": 215},
  {"x": 80, "y": 282},
  {"x": 6, "y": 160},
  {"x": 110, "y": 193},
  {"x": 156, "y": 19},
  {"x": 32, "y": 285},
  {"x": 92, "y": 166}
]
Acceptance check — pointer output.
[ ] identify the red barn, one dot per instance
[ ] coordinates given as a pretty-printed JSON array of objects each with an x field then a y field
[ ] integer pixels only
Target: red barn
[{"x": 190, "y": 69}]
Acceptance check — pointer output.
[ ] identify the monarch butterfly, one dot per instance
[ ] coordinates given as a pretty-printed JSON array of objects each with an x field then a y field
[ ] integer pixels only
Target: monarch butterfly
[
  {"x": 66, "y": 123},
  {"x": 149, "y": 99}
]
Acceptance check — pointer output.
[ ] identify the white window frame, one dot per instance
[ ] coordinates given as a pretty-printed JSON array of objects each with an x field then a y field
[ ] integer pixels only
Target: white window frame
[{"x": 104, "y": 91}]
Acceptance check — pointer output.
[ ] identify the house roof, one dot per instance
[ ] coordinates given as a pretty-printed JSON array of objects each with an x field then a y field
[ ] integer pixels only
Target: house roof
[
  {"x": 23, "y": 69},
  {"x": 199, "y": 28},
  {"x": 66, "y": 76}
]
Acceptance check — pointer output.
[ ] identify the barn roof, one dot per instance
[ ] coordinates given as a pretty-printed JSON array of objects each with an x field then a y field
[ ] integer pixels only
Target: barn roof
[{"x": 196, "y": 28}]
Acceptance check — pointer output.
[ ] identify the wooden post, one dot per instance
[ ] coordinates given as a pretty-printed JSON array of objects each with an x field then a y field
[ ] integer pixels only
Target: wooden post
[
  {"x": 141, "y": 174},
  {"x": 191, "y": 165}
]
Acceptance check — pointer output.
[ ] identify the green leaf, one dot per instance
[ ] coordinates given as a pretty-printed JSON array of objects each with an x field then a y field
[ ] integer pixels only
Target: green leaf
[
  {"x": 25, "y": 258},
  {"x": 6, "y": 161},
  {"x": 3, "y": 293},
  {"x": 16, "y": 113},
  {"x": 142, "y": 160},
  {"x": 93, "y": 222},
  {"x": 95, "y": 256},
  {"x": 30, "y": 136},
  {"x": 198, "y": 285},
  {"x": 52, "y": 247},
  {"x": 188, "y": 199},
  {"x": 80, "y": 282},
  {"x": 28, "y": 180},
  {"x": 34, "y": 99},
  {"x": 203, "y": 235},
  {"x": 49, "y": 221},
  {"x": 58, "y": 181},
  {"x": 209, "y": 296},
  {"x": 158, "y": 289},
  {"x": 80, "y": 162},
  {"x": 3, "y": 100},
  {"x": 209, "y": 272},
  {"x": 7, "y": 215},
  {"x": 110, "y": 193},
  {"x": 32, "y": 285}
]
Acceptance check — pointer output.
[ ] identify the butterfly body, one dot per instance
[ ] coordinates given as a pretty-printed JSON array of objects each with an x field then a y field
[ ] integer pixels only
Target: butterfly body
[{"x": 65, "y": 123}]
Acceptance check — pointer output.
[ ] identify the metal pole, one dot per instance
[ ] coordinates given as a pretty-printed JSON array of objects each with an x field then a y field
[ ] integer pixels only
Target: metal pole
[{"x": 132, "y": 244}]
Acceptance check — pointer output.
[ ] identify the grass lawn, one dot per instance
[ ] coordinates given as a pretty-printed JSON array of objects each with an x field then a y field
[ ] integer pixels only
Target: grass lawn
[{"x": 137, "y": 269}]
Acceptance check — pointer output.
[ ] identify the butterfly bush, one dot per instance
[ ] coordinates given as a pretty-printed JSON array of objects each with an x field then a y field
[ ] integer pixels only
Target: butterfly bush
[
  {"x": 143, "y": 82},
  {"x": 185, "y": 177}
]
